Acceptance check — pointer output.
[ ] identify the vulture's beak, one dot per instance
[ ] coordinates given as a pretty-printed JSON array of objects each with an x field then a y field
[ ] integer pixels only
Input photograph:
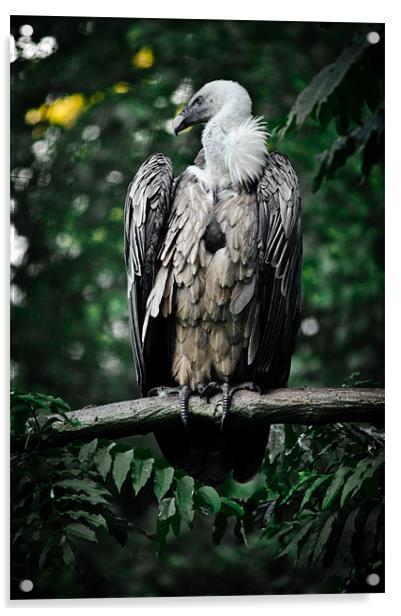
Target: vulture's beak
[{"x": 183, "y": 120}]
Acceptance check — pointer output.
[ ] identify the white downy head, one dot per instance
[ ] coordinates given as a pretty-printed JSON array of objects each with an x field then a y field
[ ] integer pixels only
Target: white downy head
[{"x": 234, "y": 142}]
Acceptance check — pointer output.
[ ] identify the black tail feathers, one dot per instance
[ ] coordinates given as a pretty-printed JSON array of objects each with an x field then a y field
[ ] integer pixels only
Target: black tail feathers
[{"x": 209, "y": 454}]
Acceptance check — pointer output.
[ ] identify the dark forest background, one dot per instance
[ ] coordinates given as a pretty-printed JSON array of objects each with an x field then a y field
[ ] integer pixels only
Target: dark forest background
[{"x": 90, "y": 99}]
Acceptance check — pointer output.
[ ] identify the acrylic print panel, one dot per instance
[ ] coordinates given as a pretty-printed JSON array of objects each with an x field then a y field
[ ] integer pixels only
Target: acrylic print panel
[{"x": 217, "y": 503}]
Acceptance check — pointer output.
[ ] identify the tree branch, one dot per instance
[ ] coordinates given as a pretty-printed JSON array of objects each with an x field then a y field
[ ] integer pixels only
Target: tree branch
[{"x": 297, "y": 406}]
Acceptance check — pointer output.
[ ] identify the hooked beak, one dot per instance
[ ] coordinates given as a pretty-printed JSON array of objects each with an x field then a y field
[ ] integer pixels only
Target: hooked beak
[{"x": 183, "y": 120}]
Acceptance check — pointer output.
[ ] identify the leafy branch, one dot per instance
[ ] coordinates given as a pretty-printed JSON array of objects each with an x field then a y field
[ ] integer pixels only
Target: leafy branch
[
  {"x": 349, "y": 92},
  {"x": 315, "y": 516}
]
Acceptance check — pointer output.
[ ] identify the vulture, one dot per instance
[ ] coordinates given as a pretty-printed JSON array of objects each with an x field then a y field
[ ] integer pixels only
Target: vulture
[{"x": 213, "y": 261}]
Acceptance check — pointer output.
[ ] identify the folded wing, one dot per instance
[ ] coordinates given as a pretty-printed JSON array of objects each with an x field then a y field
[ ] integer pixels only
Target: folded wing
[
  {"x": 279, "y": 281},
  {"x": 147, "y": 207}
]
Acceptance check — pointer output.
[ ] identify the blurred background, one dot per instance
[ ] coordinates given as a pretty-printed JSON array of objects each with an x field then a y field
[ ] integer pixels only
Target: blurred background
[{"x": 91, "y": 98}]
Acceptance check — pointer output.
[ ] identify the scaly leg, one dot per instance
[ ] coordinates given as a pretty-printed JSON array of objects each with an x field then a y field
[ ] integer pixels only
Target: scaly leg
[
  {"x": 183, "y": 392},
  {"x": 228, "y": 394}
]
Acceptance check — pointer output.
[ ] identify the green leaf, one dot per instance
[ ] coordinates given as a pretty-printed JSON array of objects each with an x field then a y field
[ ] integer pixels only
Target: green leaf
[
  {"x": 323, "y": 538},
  {"x": 335, "y": 487},
  {"x": 354, "y": 481},
  {"x": 68, "y": 555},
  {"x": 81, "y": 531},
  {"x": 304, "y": 477},
  {"x": 296, "y": 541},
  {"x": 44, "y": 554},
  {"x": 167, "y": 508},
  {"x": 103, "y": 460},
  {"x": 94, "y": 519},
  {"x": 81, "y": 485},
  {"x": 163, "y": 478},
  {"x": 369, "y": 134},
  {"x": 121, "y": 466},
  {"x": 342, "y": 552},
  {"x": 312, "y": 488},
  {"x": 93, "y": 499},
  {"x": 184, "y": 497},
  {"x": 230, "y": 507},
  {"x": 306, "y": 550},
  {"x": 333, "y": 158},
  {"x": 141, "y": 469},
  {"x": 325, "y": 83},
  {"x": 210, "y": 497},
  {"x": 86, "y": 452},
  {"x": 61, "y": 404},
  {"x": 245, "y": 491},
  {"x": 371, "y": 529}
]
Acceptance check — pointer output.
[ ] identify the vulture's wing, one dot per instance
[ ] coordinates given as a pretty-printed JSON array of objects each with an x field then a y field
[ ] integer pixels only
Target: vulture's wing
[
  {"x": 147, "y": 206},
  {"x": 279, "y": 285}
]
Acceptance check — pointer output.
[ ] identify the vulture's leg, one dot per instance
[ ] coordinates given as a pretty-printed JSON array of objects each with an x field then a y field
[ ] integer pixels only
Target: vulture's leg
[
  {"x": 183, "y": 392},
  {"x": 228, "y": 394}
]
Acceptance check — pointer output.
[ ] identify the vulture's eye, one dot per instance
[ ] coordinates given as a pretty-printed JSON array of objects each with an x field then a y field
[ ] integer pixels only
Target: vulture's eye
[{"x": 198, "y": 100}]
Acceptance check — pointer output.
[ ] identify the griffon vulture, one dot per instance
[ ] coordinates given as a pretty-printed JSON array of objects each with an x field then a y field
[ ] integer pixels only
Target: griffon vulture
[{"x": 213, "y": 259}]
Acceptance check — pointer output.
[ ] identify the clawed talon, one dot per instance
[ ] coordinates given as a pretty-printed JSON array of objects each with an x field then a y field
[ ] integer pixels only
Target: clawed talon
[
  {"x": 228, "y": 395},
  {"x": 209, "y": 390},
  {"x": 212, "y": 388}
]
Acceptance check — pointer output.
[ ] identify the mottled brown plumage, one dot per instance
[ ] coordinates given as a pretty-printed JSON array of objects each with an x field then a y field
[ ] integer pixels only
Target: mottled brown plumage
[{"x": 209, "y": 294}]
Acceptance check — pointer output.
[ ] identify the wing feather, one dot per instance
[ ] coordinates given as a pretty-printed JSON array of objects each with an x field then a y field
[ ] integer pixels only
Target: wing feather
[
  {"x": 279, "y": 275},
  {"x": 147, "y": 207}
]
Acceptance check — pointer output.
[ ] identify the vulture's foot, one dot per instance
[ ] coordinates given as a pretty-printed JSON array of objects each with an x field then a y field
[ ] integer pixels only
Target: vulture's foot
[
  {"x": 183, "y": 392},
  {"x": 228, "y": 394},
  {"x": 209, "y": 390}
]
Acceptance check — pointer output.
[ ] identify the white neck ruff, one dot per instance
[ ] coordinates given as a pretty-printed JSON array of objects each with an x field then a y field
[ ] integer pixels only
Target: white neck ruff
[{"x": 235, "y": 149}]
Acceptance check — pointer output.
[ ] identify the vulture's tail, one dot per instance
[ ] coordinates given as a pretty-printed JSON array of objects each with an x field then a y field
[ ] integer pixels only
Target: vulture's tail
[{"x": 210, "y": 454}]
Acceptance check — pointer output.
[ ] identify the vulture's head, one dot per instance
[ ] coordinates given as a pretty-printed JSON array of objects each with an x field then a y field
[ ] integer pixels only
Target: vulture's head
[{"x": 207, "y": 102}]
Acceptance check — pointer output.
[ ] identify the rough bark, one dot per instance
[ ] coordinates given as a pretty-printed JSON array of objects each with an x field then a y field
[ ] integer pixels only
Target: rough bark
[{"x": 296, "y": 406}]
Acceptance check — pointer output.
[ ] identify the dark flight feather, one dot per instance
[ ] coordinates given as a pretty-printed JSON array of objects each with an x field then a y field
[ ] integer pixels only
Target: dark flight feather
[
  {"x": 147, "y": 206},
  {"x": 279, "y": 281}
]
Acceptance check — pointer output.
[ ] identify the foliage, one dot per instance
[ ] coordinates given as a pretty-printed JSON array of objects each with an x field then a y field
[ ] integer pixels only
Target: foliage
[
  {"x": 349, "y": 91},
  {"x": 35, "y": 410},
  {"x": 328, "y": 514},
  {"x": 63, "y": 496},
  {"x": 70, "y": 496}
]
